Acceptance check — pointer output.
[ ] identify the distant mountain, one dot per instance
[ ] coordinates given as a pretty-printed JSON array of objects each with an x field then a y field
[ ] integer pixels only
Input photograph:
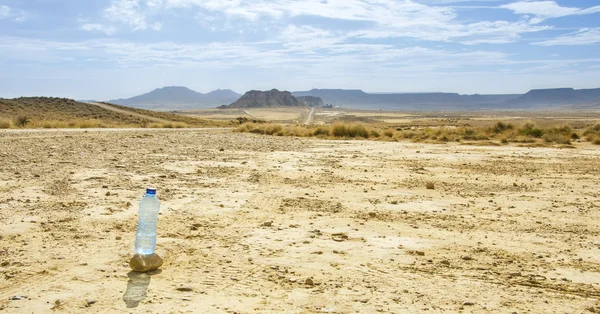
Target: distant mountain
[
  {"x": 556, "y": 97},
  {"x": 178, "y": 97},
  {"x": 265, "y": 99},
  {"x": 174, "y": 97},
  {"x": 408, "y": 101}
]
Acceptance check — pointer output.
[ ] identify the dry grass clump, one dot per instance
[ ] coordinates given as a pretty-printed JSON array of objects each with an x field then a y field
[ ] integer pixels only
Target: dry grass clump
[
  {"x": 321, "y": 131},
  {"x": 5, "y": 124},
  {"x": 501, "y": 127},
  {"x": 349, "y": 130},
  {"x": 561, "y": 135},
  {"x": 592, "y": 134},
  {"x": 531, "y": 130},
  {"x": 22, "y": 121},
  {"x": 528, "y": 133},
  {"x": 269, "y": 129},
  {"x": 167, "y": 125}
]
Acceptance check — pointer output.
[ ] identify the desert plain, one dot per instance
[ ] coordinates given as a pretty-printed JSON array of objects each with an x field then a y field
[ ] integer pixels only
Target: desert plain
[{"x": 261, "y": 224}]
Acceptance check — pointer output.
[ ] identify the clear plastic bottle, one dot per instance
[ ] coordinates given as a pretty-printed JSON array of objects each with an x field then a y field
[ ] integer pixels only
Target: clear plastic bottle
[{"x": 145, "y": 240}]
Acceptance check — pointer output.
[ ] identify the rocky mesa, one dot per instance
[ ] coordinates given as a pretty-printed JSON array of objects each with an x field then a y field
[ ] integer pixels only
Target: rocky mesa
[{"x": 266, "y": 99}]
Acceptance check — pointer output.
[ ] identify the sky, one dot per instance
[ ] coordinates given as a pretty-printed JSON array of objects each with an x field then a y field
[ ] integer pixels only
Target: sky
[{"x": 106, "y": 49}]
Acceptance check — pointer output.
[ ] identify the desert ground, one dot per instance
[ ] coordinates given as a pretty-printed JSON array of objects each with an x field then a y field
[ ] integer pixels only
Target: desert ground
[
  {"x": 543, "y": 118},
  {"x": 264, "y": 224}
]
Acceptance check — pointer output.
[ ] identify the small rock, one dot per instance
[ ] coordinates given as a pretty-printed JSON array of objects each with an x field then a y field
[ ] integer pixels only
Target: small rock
[
  {"x": 118, "y": 238},
  {"x": 107, "y": 194},
  {"x": 293, "y": 279},
  {"x": 372, "y": 214},
  {"x": 184, "y": 289},
  {"x": 105, "y": 186},
  {"x": 309, "y": 282},
  {"x": 467, "y": 258},
  {"x": 267, "y": 224},
  {"x": 18, "y": 297},
  {"x": 420, "y": 253},
  {"x": 89, "y": 303},
  {"x": 145, "y": 263},
  {"x": 222, "y": 149},
  {"x": 468, "y": 303},
  {"x": 363, "y": 300}
]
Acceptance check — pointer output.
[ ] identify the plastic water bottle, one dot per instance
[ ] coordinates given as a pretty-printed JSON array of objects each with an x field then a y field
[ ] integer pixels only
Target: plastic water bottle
[{"x": 145, "y": 240}]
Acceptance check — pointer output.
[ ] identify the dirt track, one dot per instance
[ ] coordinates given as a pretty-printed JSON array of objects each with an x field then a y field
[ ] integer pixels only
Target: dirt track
[{"x": 506, "y": 229}]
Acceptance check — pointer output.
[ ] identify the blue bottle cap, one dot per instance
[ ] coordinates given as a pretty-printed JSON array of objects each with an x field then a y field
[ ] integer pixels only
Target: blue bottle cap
[{"x": 151, "y": 191}]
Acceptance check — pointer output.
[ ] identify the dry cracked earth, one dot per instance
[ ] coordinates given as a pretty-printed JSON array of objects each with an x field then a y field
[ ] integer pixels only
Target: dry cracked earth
[{"x": 256, "y": 224}]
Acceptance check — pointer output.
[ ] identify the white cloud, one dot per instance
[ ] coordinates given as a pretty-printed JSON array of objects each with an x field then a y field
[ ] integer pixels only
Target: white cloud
[
  {"x": 585, "y": 36},
  {"x": 378, "y": 18},
  {"x": 92, "y": 27},
  {"x": 8, "y": 13},
  {"x": 4, "y": 12},
  {"x": 339, "y": 56},
  {"x": 543, "y": 10},
  {"x": 132, "y": 13}
]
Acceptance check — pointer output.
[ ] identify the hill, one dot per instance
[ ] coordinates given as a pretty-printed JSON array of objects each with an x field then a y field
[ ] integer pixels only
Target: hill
[
  {"x": 556, "y": 97},
  {"x": 48, "y": 112},
  {"x": 358, "y": 99},
  {"x": 178, "y": 97},
  {"x": 265, "y": 99}
]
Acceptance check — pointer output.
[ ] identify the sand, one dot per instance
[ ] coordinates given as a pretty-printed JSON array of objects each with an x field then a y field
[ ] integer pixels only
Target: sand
[{"x": 258, "y": 224}]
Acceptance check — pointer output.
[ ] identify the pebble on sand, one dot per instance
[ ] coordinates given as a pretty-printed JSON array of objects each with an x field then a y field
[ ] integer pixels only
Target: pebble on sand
[{"x": 145, "y": 263}]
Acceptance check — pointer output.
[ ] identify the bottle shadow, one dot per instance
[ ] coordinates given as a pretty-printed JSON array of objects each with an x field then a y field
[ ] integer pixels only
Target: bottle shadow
[{"x": 137, "y": 287}]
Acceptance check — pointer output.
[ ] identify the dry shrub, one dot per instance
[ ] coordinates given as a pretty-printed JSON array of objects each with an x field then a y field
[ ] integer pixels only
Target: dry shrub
[
  {"x": 272, "y": 129},
  {"x": 592, "y": 134},
  {"x": 561, "y": 135},
  {"x": 5, "y": 124},
  {"x": 349, "y": 130},
  {"x": 321, "y": 131},
  {"x": 22, "y": 121},
  {"x": 501, "y": 127},
  {"x": 52, "y": 124},
  {"x": 594, "y": 139},
  {"x": 297, "y": 131},
  {"x": 503, "y": 132},
  {"x": 167, "y": 125},
  {"x": 531, "y": 130},
  {"x": 471, "y": 134}
]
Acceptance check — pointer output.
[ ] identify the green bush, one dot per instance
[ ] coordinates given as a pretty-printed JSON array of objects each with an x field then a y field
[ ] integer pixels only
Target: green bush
[{"x": 531, "y": 130}]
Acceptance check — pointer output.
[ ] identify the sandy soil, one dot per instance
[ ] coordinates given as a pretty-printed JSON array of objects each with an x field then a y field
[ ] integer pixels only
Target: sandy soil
[{"x": 253, "y": 224}]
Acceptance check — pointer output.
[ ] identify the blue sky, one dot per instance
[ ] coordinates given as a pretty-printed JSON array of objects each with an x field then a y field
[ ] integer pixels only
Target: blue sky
[{"x": 108, "y": 49}]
